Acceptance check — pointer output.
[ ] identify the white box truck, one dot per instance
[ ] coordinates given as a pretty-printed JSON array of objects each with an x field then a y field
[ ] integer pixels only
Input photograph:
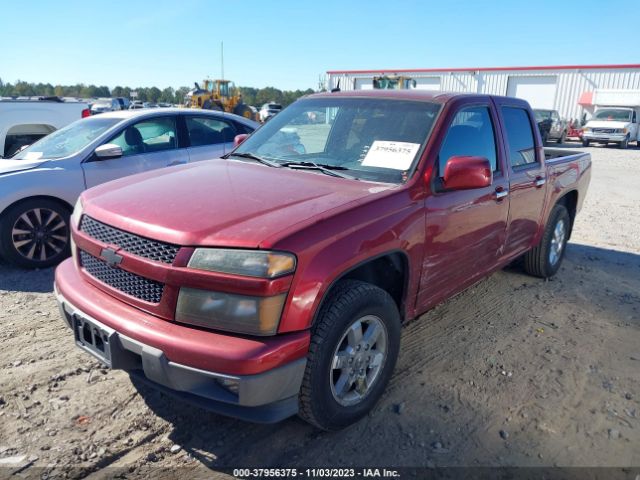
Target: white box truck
[{"x": 24, "y": 121}]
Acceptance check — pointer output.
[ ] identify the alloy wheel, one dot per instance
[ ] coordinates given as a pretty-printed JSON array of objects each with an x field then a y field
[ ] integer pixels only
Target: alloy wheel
[
  {"x": 358, "y": 360},
  {"x": 557, "y": 242},
  {"x": 40, "y": 234}
]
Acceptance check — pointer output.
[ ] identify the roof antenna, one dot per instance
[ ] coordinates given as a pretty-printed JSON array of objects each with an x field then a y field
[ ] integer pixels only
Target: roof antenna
[{"x": 337, "y": 89}]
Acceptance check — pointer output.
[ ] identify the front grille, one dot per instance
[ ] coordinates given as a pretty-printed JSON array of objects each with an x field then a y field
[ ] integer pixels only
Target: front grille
[
  {"x": 126, "y": 282},
  {"x": 134, "y": 244},
  {"x": 604, "y": 130}
]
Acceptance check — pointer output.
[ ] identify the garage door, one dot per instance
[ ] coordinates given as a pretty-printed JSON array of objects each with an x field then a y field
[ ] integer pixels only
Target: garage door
[
  {"x": 364, "y": 84},
  {"x": 428, "y": 83},
  {"x": 540, "y": 92}
]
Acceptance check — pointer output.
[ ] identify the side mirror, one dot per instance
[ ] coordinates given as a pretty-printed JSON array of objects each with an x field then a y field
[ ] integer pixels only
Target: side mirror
[
  {"x": 108, "y": 150},
  {"x": 239, "y": 139},
  {"x": 464, "y": 173}
]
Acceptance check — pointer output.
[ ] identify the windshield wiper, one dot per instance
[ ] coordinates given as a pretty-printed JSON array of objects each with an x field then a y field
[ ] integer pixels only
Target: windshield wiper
[
  {"x": 324, "y": 168},
  {"x": 251, "y": 156}
]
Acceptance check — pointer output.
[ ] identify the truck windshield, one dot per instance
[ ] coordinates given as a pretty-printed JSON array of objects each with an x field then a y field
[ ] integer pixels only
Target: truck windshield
[
  {"x": 542, "y": 115},
  {"x": 613, "y": 115},
  {"x": 68, "y": 140},
  {"x": 367, "y": 138}
]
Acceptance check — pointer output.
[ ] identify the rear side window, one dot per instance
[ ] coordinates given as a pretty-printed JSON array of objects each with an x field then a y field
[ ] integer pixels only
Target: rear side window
[
  {"x": 470, "y": 134},
  {"x": 209, "y": 131},
  {"x": 522, "y": 151}
]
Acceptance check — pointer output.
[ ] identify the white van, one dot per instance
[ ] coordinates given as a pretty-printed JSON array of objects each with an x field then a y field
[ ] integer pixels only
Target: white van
[
  {"x": 613, "y": 125},
  {"x": 615, "y": 118}
]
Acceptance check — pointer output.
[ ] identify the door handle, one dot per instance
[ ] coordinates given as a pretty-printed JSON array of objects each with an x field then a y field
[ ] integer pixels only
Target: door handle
[
  {"x": 540, "y": 181},
  {"x": 501, "y": 193}
]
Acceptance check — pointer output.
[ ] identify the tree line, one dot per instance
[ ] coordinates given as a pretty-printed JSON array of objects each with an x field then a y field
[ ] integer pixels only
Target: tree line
[{"x": 250, "y": 95}]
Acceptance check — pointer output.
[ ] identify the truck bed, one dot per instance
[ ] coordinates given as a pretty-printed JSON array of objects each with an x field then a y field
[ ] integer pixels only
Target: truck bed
[{"x": 553, "y": 155}]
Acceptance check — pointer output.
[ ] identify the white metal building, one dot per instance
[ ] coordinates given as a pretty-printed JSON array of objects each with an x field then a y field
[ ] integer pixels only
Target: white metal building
[{"x": 553, "y": 87}]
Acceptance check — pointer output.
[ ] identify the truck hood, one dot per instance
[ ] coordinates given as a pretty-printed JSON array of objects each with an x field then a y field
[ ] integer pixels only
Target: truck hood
[
  {"x": 606, "y": 124},
  {"x": 222, "y": 202},
  {"x": 11, "y": 166}
]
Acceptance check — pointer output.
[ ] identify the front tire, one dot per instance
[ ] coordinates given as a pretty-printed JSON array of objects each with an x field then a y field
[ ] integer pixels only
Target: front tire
[
  {"x": 563, "y": 138},
  {"x": 624, "y": 144},
  {"x": 35, "y": 233},
  {"x": 545, "y": 259},
  {"x": 353, "y": 351}
]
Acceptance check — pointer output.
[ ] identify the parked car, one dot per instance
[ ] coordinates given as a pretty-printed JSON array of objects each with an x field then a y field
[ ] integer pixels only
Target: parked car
[
  {"x": 39, "y": 185},
  {"x": 23, "y": 122},
  {"x": 551, "y": 126},
  {"x": 269, "y": 110},
  {"x": 136, "y": 104},
  {"x": 276, "y": 282},
  {"x": 617, "y": 125},
  {"x": 105, "y": 105}
]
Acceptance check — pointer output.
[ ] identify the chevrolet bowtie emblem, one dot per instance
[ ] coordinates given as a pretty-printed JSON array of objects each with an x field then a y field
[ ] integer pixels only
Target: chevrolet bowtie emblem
[{"x": 111, "y": 257}]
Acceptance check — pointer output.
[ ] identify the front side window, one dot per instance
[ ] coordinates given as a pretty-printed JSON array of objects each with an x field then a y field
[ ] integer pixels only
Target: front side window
[
  {"x": 520, "y": 141},
  {"x": 364, "y": 138},
  {"x": 209, "y": 131},
  {"x": 148, "y": 136},
  {"x": 471, "y": 133}
]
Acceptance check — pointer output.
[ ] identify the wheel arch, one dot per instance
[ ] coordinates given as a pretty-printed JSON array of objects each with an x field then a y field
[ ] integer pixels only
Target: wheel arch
[
  {"x": 373, "y": 270},
  {"x": 570, "y": 201},
  {"x": 58, "y": 200}
]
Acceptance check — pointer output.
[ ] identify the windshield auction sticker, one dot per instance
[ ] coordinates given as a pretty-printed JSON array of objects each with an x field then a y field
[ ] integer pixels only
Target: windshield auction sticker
[{"x": 396, "y": 155}]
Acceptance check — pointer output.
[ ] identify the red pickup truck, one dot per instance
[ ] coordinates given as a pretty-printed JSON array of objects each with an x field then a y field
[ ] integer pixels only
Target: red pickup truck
[{"x": 275, "y": 281}]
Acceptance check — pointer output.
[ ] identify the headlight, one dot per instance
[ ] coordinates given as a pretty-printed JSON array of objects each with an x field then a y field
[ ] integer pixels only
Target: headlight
[
  {"x": 252, "y": 263},
  {"x": 586, "y": 129},
  {"x": 77, "y": 213},
  {"x": 230, "y": 312}
]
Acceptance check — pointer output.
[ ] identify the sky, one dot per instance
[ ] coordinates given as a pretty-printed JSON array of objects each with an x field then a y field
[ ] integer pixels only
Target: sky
[{"x": 289, "y": 44}]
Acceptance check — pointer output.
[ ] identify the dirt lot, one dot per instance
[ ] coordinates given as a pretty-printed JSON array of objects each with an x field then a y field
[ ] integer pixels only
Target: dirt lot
[{"x": 515, "y": 371}]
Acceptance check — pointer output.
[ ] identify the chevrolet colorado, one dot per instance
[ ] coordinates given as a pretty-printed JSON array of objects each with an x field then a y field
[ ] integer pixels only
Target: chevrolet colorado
[{"x": 275, "y": 281}]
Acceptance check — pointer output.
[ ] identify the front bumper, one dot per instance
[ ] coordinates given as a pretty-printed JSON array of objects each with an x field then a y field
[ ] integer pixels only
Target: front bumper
[
  {"x": 604, "y": 137},
  {"x": 268, "y": 396}
]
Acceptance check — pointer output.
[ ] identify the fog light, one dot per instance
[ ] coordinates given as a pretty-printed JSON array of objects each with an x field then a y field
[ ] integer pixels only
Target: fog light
[{"x": 230, "y": 384}]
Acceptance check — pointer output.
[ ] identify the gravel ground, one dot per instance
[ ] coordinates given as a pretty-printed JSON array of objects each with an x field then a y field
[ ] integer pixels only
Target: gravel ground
[{"x": 515, "y": 371}]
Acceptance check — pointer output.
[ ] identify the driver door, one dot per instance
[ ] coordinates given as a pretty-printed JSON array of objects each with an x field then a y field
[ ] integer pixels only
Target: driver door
[{"x": 146, "y": 145}]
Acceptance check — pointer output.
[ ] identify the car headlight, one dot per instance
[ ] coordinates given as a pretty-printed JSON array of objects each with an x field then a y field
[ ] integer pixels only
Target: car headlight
[
  {"x": 230, "y": 312},
  {"x": 252, "y": 263},
  {"x": 78, "y": 210}
]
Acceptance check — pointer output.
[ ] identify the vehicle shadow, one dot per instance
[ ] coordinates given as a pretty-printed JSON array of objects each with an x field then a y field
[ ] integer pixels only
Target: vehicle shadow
[
  {"x": 18, "y": 280},
  {"x": 436, "y": 426}
]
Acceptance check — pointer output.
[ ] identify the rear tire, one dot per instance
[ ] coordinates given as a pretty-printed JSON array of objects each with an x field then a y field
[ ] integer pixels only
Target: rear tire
[
  {"x": 545, "y": 259},
  {"x": 353, "y": 351},
  {"x": 243, "y": 111},
  {"x": 35, "y": 233}
]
